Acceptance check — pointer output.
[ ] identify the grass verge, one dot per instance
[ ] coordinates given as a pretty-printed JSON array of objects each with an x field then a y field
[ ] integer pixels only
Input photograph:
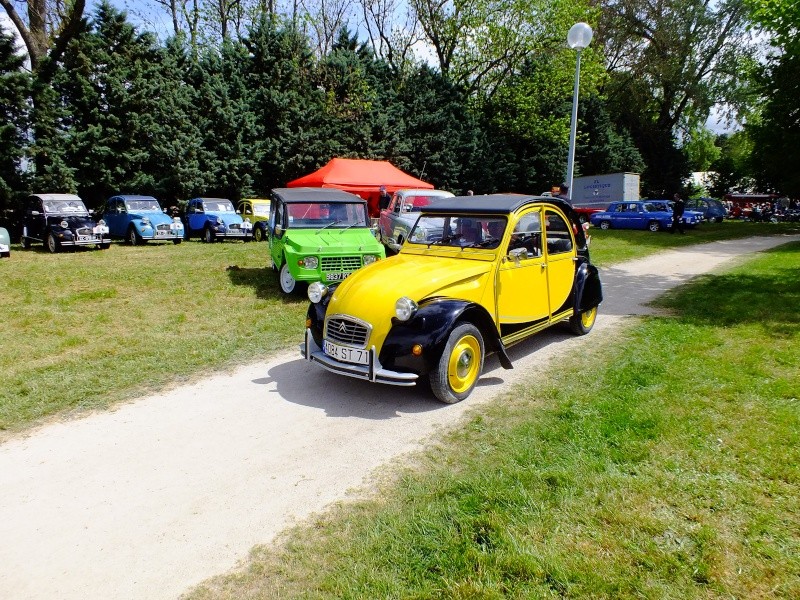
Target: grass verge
[{"x": 663, "y": 465}]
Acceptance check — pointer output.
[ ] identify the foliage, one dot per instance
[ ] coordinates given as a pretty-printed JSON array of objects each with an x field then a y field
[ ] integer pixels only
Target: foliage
[
  {"x": 15, "y": 87},
  {"x": 731, "y": 171}
]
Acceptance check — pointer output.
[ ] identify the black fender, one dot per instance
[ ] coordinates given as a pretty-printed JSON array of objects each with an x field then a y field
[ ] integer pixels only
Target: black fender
[
  {"x": 588, "y": 289},
  {"x": 430, "y": 328}
]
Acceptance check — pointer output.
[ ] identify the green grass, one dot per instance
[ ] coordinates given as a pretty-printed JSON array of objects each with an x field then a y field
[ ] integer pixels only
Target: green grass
[
  {"x": 613, "y": 246},
  {"x": 665, "y": 464},
  {"x": 88, "y": 328}
]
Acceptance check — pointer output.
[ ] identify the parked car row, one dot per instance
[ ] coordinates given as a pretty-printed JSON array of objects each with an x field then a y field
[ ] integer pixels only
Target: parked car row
[
  {"x": 62, "y": 220},
  {"x": 648, "y": 214}
]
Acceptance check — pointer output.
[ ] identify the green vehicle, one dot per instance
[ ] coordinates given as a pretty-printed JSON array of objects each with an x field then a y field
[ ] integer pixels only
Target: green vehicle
[{"x": 319, "y": 234}]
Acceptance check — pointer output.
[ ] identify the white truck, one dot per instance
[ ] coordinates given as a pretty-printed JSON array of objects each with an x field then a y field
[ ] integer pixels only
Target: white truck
[{"x": 597, "y": 191}]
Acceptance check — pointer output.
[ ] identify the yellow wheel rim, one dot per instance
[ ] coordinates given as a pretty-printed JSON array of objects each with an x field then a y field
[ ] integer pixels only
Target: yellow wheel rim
[
  {"x": 588, "y": 317},
  {"x": 463, "y": 365}
]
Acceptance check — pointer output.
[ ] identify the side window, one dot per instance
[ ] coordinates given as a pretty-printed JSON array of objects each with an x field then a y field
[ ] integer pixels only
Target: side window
[
  {"x": 396, "y": 202},
  {"x": 280, "y": 215},
  {"x": 620, "y": 208},
  {"x": 527, "y": 234},
  {"x": 557, "y": 233}
]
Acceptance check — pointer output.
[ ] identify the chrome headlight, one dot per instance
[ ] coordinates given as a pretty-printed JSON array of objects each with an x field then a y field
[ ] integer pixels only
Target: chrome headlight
[
  {"x": 310, "y": 262},
  {"x": 369, "y": 259},
  {"x": 317, "y": 291},
  {"x": 64, "y": 224},
  {"x": 405, "y": 308},
  {"x": 102, "y": 222},
  {"x": 145, "y": 221},
  {"x": 177, "y": 220}
]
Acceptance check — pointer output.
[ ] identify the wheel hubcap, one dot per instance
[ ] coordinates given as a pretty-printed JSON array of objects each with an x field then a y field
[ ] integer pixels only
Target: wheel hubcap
[
  {"x": 463, "y": 365},
  {"x": 287, "y": 281},
  {"x": 587, "y": 318}
]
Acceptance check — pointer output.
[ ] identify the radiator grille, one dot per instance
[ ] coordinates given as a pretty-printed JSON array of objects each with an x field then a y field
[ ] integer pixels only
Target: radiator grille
[
  {"x": 341, "y": 263},
  {"x": 345, "y": 331}
]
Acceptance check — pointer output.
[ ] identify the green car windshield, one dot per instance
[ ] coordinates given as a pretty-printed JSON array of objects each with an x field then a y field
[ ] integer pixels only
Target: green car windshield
[{"x": 334, "y": 215}]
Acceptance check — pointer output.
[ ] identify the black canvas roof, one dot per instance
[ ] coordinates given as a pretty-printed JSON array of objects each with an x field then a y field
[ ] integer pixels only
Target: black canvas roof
[
  {"x": 492, "y": 203},
  {"x": 312, "y": 194}
]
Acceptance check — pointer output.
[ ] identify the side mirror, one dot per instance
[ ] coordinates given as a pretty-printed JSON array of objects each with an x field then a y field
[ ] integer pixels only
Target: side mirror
[
  {"x": 517, "y": 254},
  {"x": 35, "y": 213}
]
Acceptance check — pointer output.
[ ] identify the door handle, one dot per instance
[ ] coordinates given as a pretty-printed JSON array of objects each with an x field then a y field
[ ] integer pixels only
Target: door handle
[{"x": 544, "y": 266}]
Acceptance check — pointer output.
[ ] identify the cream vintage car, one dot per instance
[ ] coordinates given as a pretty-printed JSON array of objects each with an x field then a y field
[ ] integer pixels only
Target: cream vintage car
[{"x": 476, "y": 275}]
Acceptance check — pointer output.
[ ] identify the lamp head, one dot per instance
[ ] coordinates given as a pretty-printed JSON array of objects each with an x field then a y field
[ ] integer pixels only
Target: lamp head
[{"x": 579, "y": 36}]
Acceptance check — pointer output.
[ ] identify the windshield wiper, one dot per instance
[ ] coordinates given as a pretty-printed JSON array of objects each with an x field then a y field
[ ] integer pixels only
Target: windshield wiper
[
  {"x": 328, "y": 225},
  {"x": 352, "y": 225}
]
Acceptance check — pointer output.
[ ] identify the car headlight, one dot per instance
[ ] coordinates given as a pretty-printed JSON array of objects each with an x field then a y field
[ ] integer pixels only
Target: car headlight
[
  {"x": 405, "y": 308},
  {"x": 64, "y": 224},
  {"x": 317, "y": 291},
  {"x": 369, "y": 259},
  {"x": 102, "y": 222},
  {"x": 145, "y": 221},
  {"x": 309, "y": 262}
]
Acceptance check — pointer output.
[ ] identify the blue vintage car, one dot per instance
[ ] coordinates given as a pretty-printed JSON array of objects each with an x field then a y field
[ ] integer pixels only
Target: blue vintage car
[
  {"x": 690, "y": 217},
  {"x": 712, "y": 209},
  {"x": 139, "y": 219},
  {"x": 212, "y": 218},
  {"x": 635, "y": 215}
]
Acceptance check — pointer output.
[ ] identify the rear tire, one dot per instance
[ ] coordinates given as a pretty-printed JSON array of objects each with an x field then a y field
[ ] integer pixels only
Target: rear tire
[
  {"x": 653, "y": 226},
  {"x": 605, "y": 225},
  {"x": 582, "y": 323},
  {"x": 460, "y": 365}
]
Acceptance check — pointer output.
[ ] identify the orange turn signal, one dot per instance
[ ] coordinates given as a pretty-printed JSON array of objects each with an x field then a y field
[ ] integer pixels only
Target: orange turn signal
[{"x": 416, "y": 350}]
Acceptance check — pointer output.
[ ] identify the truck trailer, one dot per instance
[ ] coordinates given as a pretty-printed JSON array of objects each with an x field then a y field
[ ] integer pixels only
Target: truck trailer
[{"x": 597, "y": 191}]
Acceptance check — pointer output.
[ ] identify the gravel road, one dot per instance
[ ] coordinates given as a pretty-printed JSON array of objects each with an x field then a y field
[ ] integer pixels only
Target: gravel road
[{"x": 152, "y": 497}]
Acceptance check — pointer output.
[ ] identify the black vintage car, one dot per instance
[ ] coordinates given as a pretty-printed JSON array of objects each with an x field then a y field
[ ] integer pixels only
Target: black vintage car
[{"x": 59, "y": 220}]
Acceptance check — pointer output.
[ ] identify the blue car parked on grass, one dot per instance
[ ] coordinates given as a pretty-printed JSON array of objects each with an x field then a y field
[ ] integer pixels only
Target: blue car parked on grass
[
  {"x": 212, "y": 218},
  {"x": 139, "y": 219},
  {"x": 635, "y": 215}
]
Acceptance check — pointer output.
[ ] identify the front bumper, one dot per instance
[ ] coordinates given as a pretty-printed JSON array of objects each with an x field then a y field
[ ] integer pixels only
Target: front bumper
[
  {"x": 86, "y": 241},
  {"x": 372, "y": 372}
]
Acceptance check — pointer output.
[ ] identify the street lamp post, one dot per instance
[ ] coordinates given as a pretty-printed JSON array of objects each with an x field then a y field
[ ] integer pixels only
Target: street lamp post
[{"x": 578, "y": 38}]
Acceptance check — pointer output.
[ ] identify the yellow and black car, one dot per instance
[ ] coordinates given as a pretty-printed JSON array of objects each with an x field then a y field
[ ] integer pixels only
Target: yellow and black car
[{"x": 477, "y": 274}]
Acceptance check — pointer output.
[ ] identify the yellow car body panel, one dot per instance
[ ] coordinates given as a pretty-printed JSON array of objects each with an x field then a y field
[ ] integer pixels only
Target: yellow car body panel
[{"x": 371, "y": 293}]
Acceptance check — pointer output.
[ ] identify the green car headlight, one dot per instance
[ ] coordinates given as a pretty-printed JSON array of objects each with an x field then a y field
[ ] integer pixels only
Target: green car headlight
[
  {"x": 310, "y": 262},
  {"x": 369, "y": 259},
  {"x": 317, "y": 291},
  {"x": 405, "y": 308}
]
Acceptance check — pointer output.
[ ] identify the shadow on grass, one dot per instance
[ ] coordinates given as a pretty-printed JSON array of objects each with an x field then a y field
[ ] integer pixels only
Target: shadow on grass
[
  {"x": 769, "y": 298},
  {"x": 264, "y": 282}
]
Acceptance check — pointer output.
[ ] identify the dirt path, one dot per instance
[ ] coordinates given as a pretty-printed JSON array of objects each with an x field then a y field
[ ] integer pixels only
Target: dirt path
[{"x": 147, "y": 500}]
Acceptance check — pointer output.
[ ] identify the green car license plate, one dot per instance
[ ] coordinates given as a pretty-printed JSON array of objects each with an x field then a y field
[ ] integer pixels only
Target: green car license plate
[{"x": 336, "y": 276}]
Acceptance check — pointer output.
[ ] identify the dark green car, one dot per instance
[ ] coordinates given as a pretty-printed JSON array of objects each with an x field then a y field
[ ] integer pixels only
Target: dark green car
[{"x": 319, "y": 234}]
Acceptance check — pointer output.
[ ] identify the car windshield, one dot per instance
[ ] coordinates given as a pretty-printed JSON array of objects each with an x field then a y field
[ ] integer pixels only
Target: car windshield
[
  {"x": 143, "y": 205},
  {"x": 459, "y": 231},
  {"x": 65, "y": 207},
  {"x": 331, "y": 215},
  {"x": 218, "y": 206}
]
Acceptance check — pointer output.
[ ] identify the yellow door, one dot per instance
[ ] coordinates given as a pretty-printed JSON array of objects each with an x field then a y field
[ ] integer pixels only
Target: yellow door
[
  {"x": 560, "y": 255},
  {"x": 522, "y": 276}
]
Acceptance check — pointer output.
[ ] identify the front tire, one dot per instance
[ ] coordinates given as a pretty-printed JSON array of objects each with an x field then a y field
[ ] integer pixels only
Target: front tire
[
  {"x": 208, "y": 236},
  {"x": 287, "y": 282},
  {"x": 605, "y": 224},
  {"x": 582, "y": 323},
  {"x": 133, "y": 238},
  {"x": 258, "y": 234},
  {"x": 459, "y": 366},
  {"x": 52, "y": 243}
]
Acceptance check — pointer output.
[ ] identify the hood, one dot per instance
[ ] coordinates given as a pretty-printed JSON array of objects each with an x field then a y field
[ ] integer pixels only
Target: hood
[
  {"x": 74, "y": 221},
  {"x": 370, "y": 293},
  {"x": 156, "y": 216},
  {"x": 229, "y": 218},
  {"x": 333, "y": 241}
]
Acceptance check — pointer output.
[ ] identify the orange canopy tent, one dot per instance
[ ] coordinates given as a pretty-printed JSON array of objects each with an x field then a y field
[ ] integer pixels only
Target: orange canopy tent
[{"x": 361, "y": 177}]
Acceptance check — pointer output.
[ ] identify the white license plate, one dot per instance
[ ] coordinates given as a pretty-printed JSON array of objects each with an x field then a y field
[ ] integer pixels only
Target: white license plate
[
  {"x": 85, "y": 238},
  {"x": 344, "y": 354},
  {"x": 336, "y": 276}
]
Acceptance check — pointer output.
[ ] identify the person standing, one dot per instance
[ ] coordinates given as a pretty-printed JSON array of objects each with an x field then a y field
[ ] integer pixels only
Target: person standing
[
  {"x": 677, "y": 214},
  {"x": 384, "y": 199}
]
